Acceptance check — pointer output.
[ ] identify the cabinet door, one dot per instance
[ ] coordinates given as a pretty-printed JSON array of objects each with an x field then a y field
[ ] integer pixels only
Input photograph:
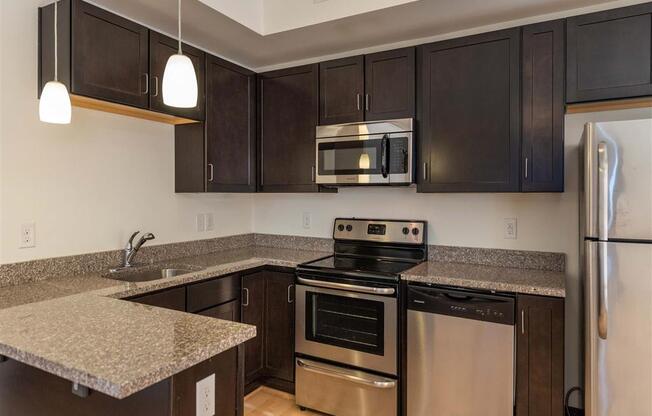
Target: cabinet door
[
  {"x": 168, "y": 299},
  {"x": 230, "y": 127},
  {"x": 288, "y": 102},
  {"x": 253, "y": 308},
  {"x": 470, "y": 114},
  {"x": 540, "y": 356},
  {"x": 189, "y": 154},
  {"x": 341, "y": 86},
  {"x": 610, "y": 54},
  {"x": 110, "y": 56},
  {"x": 229, "y": 311},
  {"x": 161, "y": 47},
  {"x": 543, "y": 107},
  {"x": 279, "y": 325},
  {"x": 390, "y": 84}
]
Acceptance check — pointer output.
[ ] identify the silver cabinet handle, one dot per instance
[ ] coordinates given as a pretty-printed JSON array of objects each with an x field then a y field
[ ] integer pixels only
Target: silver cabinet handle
[
  {"x": 290, "y": 299},
  {"x": 312, "y": 173},
  {"x": 603, "y": 290},
  {"x": 357, "y": 101},
  {"x": 425, "y": 171},
  {"x": 245, "y": 294},
  {"x": 526, "y": 168},
  {"x": 523, "y": 321},
  {"x": 146, "y": 84},
  {"x": 366, "y": 102},
  {"x": 345, "y": 286},
  {"x": 155, "y": 86},
  {"x": 211, "y": 175},
  {"x": 344, "y": 374},
  {"x": 603, "y": 191}
]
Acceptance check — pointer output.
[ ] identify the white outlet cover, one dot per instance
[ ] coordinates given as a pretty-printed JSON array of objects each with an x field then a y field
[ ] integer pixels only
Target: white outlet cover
[
  {"x": 210, "y": 222},
  {"x": 205, "y": 395},
  {"x": 27, "y": 235},
  {"x": 201, "y": 222},
  {"x": 306, "y": 219},
  {"x": 510, "y": 229}
]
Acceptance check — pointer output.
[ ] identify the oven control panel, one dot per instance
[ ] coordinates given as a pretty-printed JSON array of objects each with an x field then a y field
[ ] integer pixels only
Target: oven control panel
[{"x": 385, "y": 231}]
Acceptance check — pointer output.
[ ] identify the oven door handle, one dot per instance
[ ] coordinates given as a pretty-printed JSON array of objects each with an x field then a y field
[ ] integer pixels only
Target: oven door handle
[
  {"x": 345, "y": 286},
  {"x": 377, "y": 382}
]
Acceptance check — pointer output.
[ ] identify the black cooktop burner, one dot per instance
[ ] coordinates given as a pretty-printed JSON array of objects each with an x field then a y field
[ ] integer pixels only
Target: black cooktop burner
[{"x": 361, "y": 265}]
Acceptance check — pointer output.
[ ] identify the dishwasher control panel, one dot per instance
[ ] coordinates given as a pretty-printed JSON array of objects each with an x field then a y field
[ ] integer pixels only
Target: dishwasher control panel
[{"x": 463, "y": 304}]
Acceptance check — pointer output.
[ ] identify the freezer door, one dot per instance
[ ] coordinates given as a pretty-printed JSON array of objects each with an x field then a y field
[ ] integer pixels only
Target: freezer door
[
  {"x": 618, "y": 302},
  {"x": 616, "y": 190}
]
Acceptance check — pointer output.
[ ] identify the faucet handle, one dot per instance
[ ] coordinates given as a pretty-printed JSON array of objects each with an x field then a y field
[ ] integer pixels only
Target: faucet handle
[{"x": 130, "y": 243}]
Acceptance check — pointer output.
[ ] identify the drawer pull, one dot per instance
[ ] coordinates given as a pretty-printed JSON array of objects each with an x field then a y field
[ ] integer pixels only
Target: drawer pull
[{"x": 377, "y": 382}]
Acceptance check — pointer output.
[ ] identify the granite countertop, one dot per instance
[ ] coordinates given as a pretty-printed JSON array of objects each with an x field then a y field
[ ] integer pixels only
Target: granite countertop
[
  {"x": 503, "y": 279},
  {"x": 78, "y": 328}
]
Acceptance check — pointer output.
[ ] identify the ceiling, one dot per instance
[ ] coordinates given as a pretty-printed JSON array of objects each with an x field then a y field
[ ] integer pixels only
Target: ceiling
[{"x": 297, "y": 30}]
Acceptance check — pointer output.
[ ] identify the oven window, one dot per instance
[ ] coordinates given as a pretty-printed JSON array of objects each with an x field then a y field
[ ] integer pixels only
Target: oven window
[
  {"x": 357, "y": 157},
  {"x": 352, "y": 323}
]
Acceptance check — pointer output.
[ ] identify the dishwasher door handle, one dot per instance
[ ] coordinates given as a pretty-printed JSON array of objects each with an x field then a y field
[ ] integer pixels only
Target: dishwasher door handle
[{"x": 348, "y": 375}]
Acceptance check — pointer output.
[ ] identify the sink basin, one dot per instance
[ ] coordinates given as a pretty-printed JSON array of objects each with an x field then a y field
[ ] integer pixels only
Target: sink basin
[{"x": 144, "y": 274}]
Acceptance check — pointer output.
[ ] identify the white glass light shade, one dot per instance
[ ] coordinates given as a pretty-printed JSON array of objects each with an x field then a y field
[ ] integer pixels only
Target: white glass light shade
[
  {"x": 180, "y": 82},
  {"x": 54, "y": 106}
]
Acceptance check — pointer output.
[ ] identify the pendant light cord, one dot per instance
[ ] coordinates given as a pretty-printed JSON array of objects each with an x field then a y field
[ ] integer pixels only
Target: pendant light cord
[
  {"x": 179, "y": 22},
  {"x": 56, "y": 41}
]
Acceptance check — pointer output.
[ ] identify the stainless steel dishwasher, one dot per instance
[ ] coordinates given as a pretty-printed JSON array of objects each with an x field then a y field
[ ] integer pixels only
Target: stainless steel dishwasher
[{"x": 460, "y": 353}]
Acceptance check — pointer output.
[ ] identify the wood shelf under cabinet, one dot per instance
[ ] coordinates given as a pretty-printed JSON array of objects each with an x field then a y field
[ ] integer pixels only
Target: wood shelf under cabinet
[
  {"x": 610, "y": 105},
  {"x": 125, "y": 110}
]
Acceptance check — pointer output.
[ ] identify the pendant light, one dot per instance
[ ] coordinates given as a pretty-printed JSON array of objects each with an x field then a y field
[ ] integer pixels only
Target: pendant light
[
  {"x": 54, "y": 106},
  {"x": 179, "y": 78}
]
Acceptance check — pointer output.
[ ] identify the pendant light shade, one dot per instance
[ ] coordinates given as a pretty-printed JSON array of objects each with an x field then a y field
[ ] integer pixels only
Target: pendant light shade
[
  {"x": 54, "y": 106},
  {"x": 179, "y": 79},
  {"x": 180, "y": 82}
]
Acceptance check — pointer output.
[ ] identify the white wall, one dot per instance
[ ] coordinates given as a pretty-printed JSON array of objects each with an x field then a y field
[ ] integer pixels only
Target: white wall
[
  {"x": 89, "y": 184},
  {"x": 546, "y": 222}
]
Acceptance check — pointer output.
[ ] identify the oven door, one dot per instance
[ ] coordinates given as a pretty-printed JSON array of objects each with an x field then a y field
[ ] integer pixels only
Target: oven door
[
  {"x": 347, "y": 327},
  {"x": 374, "y": 159}
]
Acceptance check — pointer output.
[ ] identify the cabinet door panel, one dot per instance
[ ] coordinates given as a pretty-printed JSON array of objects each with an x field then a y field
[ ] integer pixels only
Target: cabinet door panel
[
  {"x": 390, "y": 84},
  {"x": 229, "y": 311},
  {"x": 341, "y": 86},
  {"x": 540, "y": 356},
  {"x": 279, "y": 325},
  {"x": 288, "y": 102},
  {"x": 543, "y": 107},
  {"x": 253, "y": 308},
  {"x": 610, "y": 54},
  {"x": 230, "y": 127},
  {"x": 470, "y": 114},
  {"x": 189, "y": 154},
  {"x": 110, "y": 56},
  {"x": 161, "y": 47},
  {"x": 169, "y": 299}
]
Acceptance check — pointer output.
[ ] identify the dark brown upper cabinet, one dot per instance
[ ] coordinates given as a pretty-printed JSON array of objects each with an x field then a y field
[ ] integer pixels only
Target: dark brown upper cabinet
[
  {"x": 288, "y": 102},
  {"x": 101, "y": 55},
  {"x": 610, "y": 54},
  {"x": 230, "y": 127},
  {"x": 540, "y": 356},
  {"x": 469, "y": 112},
  {"x": 161, "y": 47},
  {"x": 390, "y": 84},
  {"x": 543, "y": 108},
  {"x": 341, "y": 90}
]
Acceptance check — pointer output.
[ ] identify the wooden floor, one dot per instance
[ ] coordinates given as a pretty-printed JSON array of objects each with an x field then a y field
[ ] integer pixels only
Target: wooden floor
[{"x": 268, "y": 402}]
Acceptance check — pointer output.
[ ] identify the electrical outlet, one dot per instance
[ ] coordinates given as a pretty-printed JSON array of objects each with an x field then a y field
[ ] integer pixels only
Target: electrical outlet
[
  {"x": 201, "y": 222},
  {"x": 205, "y": 396},
  {"x": 509, "y": 229},
  {"x": 27, "y": 235},
  {"x": 210, "y": 222},
  {"x": 306, "y": 220}
]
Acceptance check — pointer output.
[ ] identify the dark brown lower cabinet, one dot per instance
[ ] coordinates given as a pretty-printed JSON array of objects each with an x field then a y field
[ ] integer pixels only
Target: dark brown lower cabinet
[
  {"x": 540, "y": 356},
  {"x": 169, "y": 299},
  {"x": 229, "y": 311},
  {"x": 268, "y": 303},
  {"x": 28, "y": 391}
]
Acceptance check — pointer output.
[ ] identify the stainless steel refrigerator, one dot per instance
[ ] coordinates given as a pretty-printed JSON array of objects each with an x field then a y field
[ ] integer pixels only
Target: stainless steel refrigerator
[{"x": 616, "y": 226}]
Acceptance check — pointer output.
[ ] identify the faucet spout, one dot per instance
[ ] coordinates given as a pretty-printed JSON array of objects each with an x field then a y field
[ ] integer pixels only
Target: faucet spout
[{"x": 131, "y": 250}]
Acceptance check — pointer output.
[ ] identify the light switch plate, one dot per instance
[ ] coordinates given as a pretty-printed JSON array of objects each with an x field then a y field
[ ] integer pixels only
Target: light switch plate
[
  {"x": 509, "y": 229},
  {"x": 210, "y": 222},
  {"x": 201, "y": 222},
  {"x": 205, "y": 394}
]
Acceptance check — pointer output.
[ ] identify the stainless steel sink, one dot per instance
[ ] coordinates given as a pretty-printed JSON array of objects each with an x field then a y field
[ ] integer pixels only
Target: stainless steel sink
[{"x": 147, "y": 273}]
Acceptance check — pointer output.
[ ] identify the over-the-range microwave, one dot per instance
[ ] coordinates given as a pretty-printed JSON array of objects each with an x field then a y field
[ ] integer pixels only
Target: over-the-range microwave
[{"x": 367, "y": 153}]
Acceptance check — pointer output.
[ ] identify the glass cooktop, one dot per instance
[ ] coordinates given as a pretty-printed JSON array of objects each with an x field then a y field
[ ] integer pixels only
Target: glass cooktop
[{"x": 359, "y": 264}]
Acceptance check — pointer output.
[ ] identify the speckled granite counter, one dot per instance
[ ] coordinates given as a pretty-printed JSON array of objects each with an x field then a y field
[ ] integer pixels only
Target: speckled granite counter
[
  {"x": 504, "y": 279},
  {"x": 77, "y": 327}
]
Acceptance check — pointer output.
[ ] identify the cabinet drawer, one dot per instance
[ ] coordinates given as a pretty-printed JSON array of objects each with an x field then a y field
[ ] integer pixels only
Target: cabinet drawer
[
  {"x": 168, "y": 299},
  {"x": 214, "y": 292}
]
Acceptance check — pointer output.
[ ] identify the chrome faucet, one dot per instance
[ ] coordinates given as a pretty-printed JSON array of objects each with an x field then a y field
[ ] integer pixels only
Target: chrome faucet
[{"x": 131, "y": 250}]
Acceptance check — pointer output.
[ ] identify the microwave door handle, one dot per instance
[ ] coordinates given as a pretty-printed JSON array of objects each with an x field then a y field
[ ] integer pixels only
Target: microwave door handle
[{"x": 384, "y": 167}]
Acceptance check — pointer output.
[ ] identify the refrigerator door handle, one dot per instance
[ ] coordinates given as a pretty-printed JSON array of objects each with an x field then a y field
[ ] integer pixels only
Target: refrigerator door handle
[
  {"x": 603, "y": 191},
  {"x": 603, "y": 287}
]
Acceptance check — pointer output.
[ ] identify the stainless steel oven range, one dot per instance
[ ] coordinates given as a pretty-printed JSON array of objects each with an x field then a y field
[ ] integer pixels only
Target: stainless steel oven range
[{"x": 347, "y": 317}]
